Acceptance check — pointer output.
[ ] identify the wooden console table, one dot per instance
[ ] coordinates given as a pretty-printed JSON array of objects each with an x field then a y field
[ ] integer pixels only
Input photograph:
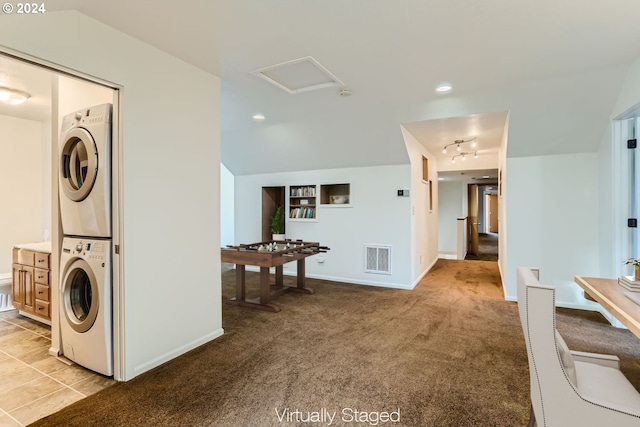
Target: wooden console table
[
  {"x": 611, "y": 296},
  {"x": 259, "y": 254}
]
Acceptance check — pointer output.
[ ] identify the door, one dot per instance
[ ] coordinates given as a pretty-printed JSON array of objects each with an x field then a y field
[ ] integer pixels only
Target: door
[
  {"x": 473, "y": 219},
  {"x": 79, "y": 164},
  {"x": 493, "y": 213},
  {"x": 17, "y": 287},
  {"x": 80, "y": 296}
]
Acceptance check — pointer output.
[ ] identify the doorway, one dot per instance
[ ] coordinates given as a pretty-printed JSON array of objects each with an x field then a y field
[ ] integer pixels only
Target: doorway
[
  {"x": 272, "y": 198},
  {"x": 53, "y": 93},
  {"x": 483, "y": 220}
]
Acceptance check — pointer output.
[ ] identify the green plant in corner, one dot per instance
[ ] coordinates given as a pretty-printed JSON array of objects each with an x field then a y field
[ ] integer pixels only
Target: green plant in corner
[{"x": 277, "y": 221}]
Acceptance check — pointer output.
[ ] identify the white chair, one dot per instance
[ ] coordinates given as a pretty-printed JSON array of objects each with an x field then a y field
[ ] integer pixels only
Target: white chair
[{"x": 569, "y": 388}]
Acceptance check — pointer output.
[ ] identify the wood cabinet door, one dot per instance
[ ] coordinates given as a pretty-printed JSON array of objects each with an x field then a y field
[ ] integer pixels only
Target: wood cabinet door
[
  {"x": 29, "y": 301},
  {"x": 17, "y": 284}
]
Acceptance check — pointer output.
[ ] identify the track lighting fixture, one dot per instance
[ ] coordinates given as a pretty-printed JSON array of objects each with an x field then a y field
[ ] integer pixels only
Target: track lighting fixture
[
  {"x": 458, "y": 145},
  {"x": 463, "y": 156}
]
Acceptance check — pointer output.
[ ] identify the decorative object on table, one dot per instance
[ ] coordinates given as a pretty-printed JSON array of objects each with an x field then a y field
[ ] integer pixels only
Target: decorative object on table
[
  {"x": 629, "y": 283},
  {"x": 339, "y": 200},
  {"x": 636, "y": 265},
  {"x": 277, "y": 224}
]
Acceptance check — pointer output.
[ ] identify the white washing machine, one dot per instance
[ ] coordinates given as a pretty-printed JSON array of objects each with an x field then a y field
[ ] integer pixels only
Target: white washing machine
[
  {"x": 86, "y": 316},
  {"x": 85, "y": 172}
]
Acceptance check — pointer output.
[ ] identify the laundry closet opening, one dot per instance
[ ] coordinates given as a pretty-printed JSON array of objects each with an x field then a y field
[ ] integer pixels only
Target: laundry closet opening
[{"x": 32, "y": 165}]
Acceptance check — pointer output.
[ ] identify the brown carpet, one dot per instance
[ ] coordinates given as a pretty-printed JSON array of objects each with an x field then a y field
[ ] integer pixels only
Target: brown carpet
[
  {"x": 449, "y": 353},
  {"x": 487, "y": 248}
]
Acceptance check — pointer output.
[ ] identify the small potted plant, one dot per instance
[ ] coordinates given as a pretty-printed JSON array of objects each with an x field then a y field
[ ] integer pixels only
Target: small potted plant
[
  {"x": 636, "y": 265},
  {"x": 277, "y": 224}
]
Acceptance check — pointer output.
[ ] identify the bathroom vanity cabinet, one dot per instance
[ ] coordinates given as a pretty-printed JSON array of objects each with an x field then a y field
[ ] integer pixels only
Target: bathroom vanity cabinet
[{"x": 30, "y": 290}]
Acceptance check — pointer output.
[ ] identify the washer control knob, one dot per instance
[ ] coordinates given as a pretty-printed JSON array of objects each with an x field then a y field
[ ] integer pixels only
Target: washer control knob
[
  {"x": 78, "y": 115},
  {"x": 79, "y": 247}
]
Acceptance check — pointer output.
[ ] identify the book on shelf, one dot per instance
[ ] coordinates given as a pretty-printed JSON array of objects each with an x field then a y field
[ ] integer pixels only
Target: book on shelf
[{"x": 302, "y": 213}]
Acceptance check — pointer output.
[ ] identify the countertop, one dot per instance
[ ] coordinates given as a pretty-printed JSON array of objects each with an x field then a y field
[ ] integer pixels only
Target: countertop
[{"x": 36, "y": 247}]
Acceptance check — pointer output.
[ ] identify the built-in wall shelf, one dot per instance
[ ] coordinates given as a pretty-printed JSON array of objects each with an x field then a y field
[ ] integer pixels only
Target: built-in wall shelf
[
  {"x": 335, "y": 195},
  {"x": 302, "y": 202}
]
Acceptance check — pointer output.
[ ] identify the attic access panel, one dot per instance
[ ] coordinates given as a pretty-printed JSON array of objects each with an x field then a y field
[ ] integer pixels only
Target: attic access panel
[{"x": 299, "y": 75}]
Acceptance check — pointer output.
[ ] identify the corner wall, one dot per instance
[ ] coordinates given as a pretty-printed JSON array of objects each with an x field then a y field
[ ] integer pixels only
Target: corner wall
[
  {"x": 170, "y": 180},
  {"x": 553, "y": 222},
  {"x": 424, "y": 209}
]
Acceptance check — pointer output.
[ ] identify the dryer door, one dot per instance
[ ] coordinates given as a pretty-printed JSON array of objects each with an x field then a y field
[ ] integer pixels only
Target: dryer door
[
  {"x": 79, "y": 164},
  {"x": 80, "y": 296}
]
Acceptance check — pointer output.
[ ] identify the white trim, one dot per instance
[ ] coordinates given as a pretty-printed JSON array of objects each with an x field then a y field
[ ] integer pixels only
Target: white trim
[
  {"x": 177, "y": 352},
  {"x": 424, "y": 273},
  {"x": 338, "y": 279}
]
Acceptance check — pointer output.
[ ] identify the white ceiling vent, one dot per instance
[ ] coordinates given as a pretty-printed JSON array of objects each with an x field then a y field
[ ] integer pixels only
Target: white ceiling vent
[
  {"x": 377, "y": 259},
  {"x": 299, "y": 75}
]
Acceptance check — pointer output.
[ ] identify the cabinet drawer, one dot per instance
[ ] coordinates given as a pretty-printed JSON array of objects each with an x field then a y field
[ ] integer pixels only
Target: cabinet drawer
[
  {"x": 42, "y": 260},
  {"x": 41, "y": 276},
  {"x": 26, "y": 257},
  {"x": 42, "y": 293},
  {"x": 42, "y": 308}
]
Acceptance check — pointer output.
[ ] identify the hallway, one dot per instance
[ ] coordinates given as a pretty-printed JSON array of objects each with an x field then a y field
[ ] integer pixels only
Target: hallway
[{"x": 487, "y": 248}]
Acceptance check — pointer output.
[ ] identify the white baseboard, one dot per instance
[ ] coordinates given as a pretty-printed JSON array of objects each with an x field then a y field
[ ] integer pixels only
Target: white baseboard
[
  {"x": 424, "y": 273},
  {"x": 339, "y": 279},
  {"x": 175, "y": 353}
]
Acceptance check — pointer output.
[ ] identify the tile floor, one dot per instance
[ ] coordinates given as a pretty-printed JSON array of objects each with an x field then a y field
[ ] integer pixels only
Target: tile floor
[{"x": 34, "y": 384}]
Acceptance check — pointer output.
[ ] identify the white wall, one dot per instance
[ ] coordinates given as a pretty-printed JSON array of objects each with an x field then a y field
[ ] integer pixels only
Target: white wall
[
  {"x": 171, "y": 180},
  {"x": 22, "y": 185},
  {"x": 502, "y": 207},
  {"x": 424, "y": 221},
  {"x": 613, "y": 181},
  {"x": 376, "y": 216},
  {"x": 226, "y": 207},
  {"x": 553, "y": 221},
  {"x": 450, "y": 208}
]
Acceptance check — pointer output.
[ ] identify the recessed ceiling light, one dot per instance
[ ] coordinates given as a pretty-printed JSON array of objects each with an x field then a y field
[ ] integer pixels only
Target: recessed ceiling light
[
  {"x": 440, "y": 178},
  {"x": 485, "y": 176},
  {"x": 258, "y": 117},
  {"x": 444, "y": 88}
]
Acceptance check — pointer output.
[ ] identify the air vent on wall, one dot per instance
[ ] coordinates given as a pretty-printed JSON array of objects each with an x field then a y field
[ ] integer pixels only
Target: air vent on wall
[
  {"x": 298, "y": 75},
  {"x": 377, "y": 259}
]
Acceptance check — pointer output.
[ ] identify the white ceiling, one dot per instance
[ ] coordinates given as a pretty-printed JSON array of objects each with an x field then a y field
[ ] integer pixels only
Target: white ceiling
[
  {"x": 28, "y": 78},
  {"x": 555, "y": 66}
]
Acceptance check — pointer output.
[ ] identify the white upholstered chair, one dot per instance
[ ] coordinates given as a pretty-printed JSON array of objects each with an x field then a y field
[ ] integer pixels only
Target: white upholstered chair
[{"x": 569, "y": 388}]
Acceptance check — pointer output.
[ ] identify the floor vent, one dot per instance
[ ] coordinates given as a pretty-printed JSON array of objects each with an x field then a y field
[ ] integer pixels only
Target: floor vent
[{"x": 377, "y": 259}]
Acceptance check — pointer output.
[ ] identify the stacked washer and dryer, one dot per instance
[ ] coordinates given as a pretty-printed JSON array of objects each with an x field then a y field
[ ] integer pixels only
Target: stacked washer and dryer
[{"x": 86, "y": 303}]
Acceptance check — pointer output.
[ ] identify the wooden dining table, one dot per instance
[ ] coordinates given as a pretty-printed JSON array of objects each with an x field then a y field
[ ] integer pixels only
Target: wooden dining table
[{"x": 611, "y": 295}]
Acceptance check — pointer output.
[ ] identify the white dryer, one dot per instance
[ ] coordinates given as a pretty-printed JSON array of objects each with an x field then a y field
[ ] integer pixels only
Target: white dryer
[
  {"x": 85, "y": 172},
  {"x": 86, "y": 315}
]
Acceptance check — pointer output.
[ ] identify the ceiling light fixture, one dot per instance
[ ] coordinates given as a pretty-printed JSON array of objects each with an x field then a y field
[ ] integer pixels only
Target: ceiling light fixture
[
  {"x": 258, "y": 117},
  {"x": 13, "y": 96},
  {"x": 444, "y": 88},
  {"x": 457, "y": 142},
  {"x": 463, "y": 156}
]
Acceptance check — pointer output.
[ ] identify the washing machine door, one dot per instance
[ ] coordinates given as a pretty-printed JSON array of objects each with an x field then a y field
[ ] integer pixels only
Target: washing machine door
[
  {"x": 79, "y": 167},
  {"x": 80, "y": 296}
]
